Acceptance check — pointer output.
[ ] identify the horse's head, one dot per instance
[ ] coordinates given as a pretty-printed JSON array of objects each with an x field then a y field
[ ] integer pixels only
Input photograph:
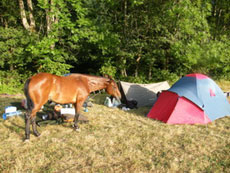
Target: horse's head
[{"x": 113, "y": 89}]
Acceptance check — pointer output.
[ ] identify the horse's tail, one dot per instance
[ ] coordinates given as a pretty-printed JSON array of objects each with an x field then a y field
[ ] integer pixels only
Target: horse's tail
[{"x": 29, "y": 102}]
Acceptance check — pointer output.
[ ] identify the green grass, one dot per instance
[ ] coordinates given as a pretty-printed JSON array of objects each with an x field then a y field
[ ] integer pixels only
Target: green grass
[{"x": 114, "y": 141}]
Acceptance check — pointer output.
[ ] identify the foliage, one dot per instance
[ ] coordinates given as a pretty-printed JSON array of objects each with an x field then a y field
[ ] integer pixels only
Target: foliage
[
  {"x": 143, "y": 41},
  {"x": 11, "y": 82},
  {"x": 108, "y": 69},
  {"x": 47, "y": 60},
  {"x": 12, "y": 48}
]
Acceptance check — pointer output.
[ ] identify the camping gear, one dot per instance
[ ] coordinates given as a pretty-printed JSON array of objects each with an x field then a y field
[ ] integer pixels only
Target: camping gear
[
  {"x": 194, "y": 99},
  {"x": 131, "y": 104},
  {"x": 10, "y": 114},
  {"x": 70, "y": 118},
  {"x": 75, "y": 87},
  {"x": 45, "y": 117},
  {"x": 143, "y": 94},
  {"x": 66, "y": 117},
  {"x": 111, "y": 102},
  {"x": 10, "y": 111},
  {"x": 125, "y": 109},
  {"x": 86, "y": 109},
  {"x": 227, "y": 94},
  {"x": 108, "y": 102},
  {"x": 24, "y": 103},
  {"x": 67, "y": 111}
]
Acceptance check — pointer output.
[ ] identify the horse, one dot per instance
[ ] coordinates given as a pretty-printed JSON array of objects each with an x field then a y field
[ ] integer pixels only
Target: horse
[{"x": 74, "y": 88}]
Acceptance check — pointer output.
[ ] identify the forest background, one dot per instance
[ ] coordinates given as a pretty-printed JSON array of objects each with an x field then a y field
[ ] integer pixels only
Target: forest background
[{"x": 132, "y": 40}]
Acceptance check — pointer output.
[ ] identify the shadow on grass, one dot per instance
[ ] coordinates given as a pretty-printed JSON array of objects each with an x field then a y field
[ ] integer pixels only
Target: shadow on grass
[
  {"x": 17, "y": 105},
  {"x": 141, "y": 111},
  {"x": 100, "y": 98},
  {"x": 15, "y": 128},
  {"x": 7, "y": 101}
]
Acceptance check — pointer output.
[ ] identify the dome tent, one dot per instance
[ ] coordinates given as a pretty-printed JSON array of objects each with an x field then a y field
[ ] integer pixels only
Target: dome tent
[{"x": 194, "y": 99}]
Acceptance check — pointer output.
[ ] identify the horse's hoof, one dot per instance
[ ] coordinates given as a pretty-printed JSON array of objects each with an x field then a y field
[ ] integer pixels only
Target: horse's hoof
[
  {"x": 77, "y": 129},
  {"x": 37, "y": 134},
  {"x": 26, "y": 141}
]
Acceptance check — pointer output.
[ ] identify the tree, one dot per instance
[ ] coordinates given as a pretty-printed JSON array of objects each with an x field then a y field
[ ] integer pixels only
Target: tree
[{"x": 28, "y": 25}]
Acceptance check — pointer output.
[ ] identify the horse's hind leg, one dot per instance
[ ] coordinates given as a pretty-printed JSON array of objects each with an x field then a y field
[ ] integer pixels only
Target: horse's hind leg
[
  {"x": 27, "y": 122},
  {"x": 30, "y": 118},
  {"x": 33, "y": 119},
  {"x": 34, "y": 126}
]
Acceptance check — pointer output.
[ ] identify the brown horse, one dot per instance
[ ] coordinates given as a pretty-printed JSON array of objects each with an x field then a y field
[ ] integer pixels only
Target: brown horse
[{"x": 74, "y": 89}]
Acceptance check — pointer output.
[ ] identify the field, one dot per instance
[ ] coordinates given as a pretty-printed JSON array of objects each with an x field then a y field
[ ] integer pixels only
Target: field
[{"x": 114, "y": 141}]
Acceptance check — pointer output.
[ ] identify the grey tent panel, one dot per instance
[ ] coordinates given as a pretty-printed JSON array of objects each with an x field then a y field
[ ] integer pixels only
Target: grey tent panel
[{"x": 144, "y": 94}]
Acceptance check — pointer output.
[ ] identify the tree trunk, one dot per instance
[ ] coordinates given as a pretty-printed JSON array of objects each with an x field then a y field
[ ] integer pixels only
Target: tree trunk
[
  {"x": 49, "y": 15},
  {"x": 150, "y": 72},
  {"x": 28, "y": 26},
  {"x": 125, "y": 18},
  {"x": 32, "y": 21},
  {"x": 137, "y": 65},
  {"x": 50, "y": 19},
  {"x": 23, "y": 15},
  {"x": 123, "y": 72}
]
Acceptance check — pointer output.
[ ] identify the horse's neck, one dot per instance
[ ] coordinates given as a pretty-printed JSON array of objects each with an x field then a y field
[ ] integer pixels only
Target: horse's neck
[{"x": 96, "y": 84}]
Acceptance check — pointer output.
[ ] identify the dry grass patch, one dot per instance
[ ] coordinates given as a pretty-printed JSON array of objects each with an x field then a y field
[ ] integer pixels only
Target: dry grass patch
[{"x": 115, "y": 141}]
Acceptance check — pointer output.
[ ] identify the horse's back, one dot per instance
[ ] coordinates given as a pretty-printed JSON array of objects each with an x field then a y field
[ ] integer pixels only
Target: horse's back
[
  {"x": 60, "y": 89},
  {"x": 42, "y": 76}
]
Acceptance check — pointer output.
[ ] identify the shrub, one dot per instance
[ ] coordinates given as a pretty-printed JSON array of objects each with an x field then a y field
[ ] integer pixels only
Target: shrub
[{"x": 11, "y": 82}]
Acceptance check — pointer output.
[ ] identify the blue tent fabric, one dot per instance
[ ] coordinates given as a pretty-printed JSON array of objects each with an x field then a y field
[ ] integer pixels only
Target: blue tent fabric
[
  {"x": 67, "y": 74},
  {"x": 205, "y": 93}
]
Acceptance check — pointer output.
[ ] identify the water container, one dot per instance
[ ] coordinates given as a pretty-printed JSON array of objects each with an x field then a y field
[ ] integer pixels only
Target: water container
[
  {"x": 108, "y": 102},
  {"x": 10, "y": 114},
  {"x": 10, "y": 109},
  {"x": 115, "y": 102},
  {"x": 86, "y": 109}
]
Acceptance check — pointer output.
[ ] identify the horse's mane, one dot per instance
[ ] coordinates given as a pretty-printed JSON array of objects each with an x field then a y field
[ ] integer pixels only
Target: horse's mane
[
  {"x": 93, "y": 81},
  {"x": 90, "y": 77}
]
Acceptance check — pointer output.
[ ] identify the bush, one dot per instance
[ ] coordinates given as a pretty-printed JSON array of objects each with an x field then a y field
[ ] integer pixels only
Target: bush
[
  {"x": 164, "y": 75},
  {"x": 11, "y": 82},
  {"x": 133, "y": 79},
  {"x": 108, "y": 69}
]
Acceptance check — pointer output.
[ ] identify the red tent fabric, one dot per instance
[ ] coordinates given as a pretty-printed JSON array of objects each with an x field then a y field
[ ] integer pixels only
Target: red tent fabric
[{"x": 179, "y": 110}]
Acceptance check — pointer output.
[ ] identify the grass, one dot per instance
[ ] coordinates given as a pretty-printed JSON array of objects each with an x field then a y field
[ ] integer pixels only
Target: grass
[{"x": 114, "y": 141}]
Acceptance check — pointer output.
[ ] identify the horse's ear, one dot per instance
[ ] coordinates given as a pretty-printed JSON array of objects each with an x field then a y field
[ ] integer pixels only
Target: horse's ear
[{"x": 108, "y": 76}]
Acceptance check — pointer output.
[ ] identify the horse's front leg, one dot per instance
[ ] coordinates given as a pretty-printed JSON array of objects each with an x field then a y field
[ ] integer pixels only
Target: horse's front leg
[
  {"x": 76, "y": 127},
  {"x": 78, "y": 106}
]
